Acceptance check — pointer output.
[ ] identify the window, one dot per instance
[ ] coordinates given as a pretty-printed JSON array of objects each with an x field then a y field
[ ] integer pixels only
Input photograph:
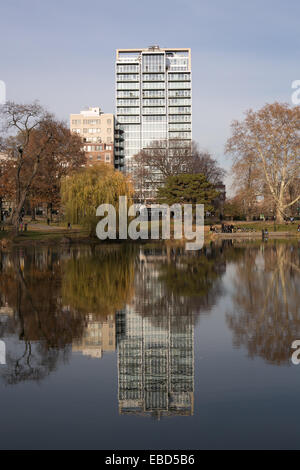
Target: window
[
  {"x": 129, "y": 110},
  {"x": 127, "y": 68},
  {"x": 98, "y": 157},
  {"x": 127, "y": 77},
  {"x": 107, "y": 157},
  {"x": 109, "y": 130},
  {"x": 108, "y": 121}
]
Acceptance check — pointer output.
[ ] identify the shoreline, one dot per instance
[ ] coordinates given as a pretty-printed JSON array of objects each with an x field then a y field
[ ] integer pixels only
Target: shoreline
[
  {"x": 255, "y": 235},
  {"x": 73, "y": 238}
]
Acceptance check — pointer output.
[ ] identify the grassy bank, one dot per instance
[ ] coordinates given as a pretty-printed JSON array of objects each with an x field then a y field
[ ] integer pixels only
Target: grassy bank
[
  {"x": 36, "y": 236},
  {"x": 260, "y": 225},
  {"x": 40, "y": 233}
]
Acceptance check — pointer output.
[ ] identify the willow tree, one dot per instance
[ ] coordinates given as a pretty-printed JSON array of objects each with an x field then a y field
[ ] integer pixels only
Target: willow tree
[
  {"x": 86, "y": 189},
  {"x": 266, "y": 150}
]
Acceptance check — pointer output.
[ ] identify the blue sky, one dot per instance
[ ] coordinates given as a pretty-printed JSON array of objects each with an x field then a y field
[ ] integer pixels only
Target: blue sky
[{"x": 244, "y": 53}]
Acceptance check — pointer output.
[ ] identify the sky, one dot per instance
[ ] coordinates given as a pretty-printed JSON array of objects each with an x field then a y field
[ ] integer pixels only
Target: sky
[{"x": 245, "y": 53}]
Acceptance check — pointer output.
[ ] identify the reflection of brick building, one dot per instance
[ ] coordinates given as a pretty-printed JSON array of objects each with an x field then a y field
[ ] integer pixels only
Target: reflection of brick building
[
  {"x": 98, "y": 337},
  {"x": 99, "y": 134},
  {"x": 5, "y": 313}
]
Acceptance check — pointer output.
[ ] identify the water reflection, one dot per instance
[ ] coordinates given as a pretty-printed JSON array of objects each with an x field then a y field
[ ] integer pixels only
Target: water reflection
[
  {"x": 156, "y": 331},
  {"x": 144, "y": 302},
  {"x": 266, "y": 318},
  {"x": 51, "y": 301},
  {"x": 41, "y": 327}
]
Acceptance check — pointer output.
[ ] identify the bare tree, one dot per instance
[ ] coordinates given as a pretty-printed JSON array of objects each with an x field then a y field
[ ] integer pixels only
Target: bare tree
[
  {"x": 203, "y": 162},
  {"x": 153, "y": 165},
  {"x": 32, "y": 136},
  {"x": 268, "y": 142},
  {"x": 21, "y": 121}
]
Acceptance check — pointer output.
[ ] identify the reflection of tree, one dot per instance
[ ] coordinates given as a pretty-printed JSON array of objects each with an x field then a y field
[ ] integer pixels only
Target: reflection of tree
[
  {"x": 192, "y": 276},
  {"x": 267, "y": 299},
  {"x": 185, "y": 283},
  {"x": 100, "y": 282},
  {"x": 31, "y": 287},
  {"x": 52, "y": 294},
  {"x": 35, "y": 362}
]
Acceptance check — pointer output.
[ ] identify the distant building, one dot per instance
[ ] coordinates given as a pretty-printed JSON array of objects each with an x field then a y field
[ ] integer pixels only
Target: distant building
[
  {"x": 100, "y": 134},
  {"x": 153, "y": 98}
]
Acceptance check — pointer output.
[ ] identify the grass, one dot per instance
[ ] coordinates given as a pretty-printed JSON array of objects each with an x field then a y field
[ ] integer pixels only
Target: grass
[
  {"x": 35, "y": 235},
  {"x": 260, "y": 225},
  {"x": 78, "y": 232}
]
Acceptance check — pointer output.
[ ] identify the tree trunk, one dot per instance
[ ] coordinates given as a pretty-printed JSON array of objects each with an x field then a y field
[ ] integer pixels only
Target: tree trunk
[
  {"x": 17, "y": 213},
  {"x": 49, "y": 211},
  {"x": 279, "y": 215}
]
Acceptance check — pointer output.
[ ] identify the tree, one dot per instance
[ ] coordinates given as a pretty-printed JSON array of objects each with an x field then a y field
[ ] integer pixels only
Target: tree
[
  {"x": 203, "y": 162},
  {"x": 266, "y": 150},
  {"x": 64, "y": 156},
  {"x": 34, "y": 137},
  {"x": 84, "y": 191},
  {"x": 234, "y": 208},
  {"x": 153, "y": 165},
  {"x": 186, "y": 188}
]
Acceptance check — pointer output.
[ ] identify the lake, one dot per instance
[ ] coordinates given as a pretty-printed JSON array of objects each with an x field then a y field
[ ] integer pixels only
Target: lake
[{"x": 150, "y": 347}]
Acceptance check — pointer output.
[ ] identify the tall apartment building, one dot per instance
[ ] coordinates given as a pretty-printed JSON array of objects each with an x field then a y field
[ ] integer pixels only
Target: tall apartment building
[
  {"x": 153, "y": 98},
  {"x": 100, "y": 134}
]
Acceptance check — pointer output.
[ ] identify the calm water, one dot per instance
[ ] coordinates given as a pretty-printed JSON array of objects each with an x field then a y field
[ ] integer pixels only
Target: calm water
[{"x": 150, "y": 347}]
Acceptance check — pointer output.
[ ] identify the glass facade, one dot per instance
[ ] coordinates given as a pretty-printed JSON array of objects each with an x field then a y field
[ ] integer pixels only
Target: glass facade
[{"x": 153, "y": 97}]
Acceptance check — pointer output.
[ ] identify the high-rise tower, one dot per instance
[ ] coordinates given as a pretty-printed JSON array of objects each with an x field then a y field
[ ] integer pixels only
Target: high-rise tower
[{"x": 153, "y": 98}]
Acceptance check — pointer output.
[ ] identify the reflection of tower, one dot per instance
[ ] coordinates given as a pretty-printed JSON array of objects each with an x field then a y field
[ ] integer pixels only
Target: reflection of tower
[
  {"x": 156, "y": 357},
  {"x": 156, "y": 366},
  {"x": 99, "y": 336}
]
